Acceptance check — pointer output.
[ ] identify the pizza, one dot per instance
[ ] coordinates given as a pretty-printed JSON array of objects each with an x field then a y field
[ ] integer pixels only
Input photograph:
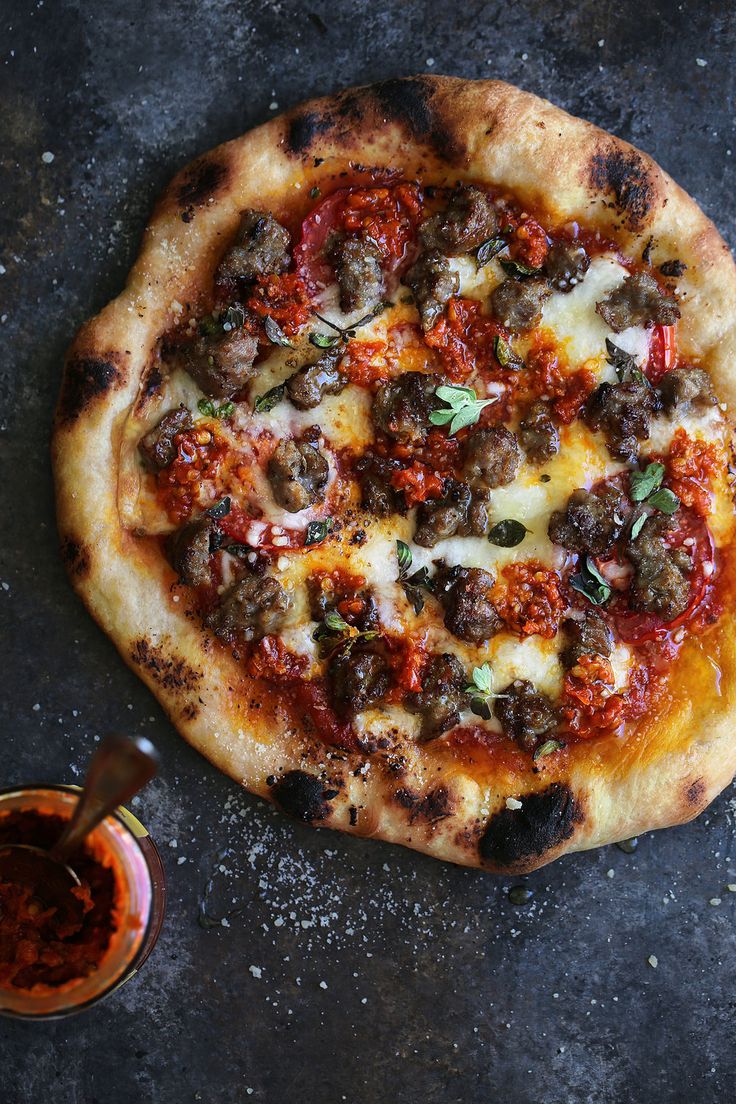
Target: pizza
[{"x": 401, "y": 472}]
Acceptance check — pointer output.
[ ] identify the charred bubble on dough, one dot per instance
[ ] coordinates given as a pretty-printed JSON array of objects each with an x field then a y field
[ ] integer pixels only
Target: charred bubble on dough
[{"x": 517, "y": 837}]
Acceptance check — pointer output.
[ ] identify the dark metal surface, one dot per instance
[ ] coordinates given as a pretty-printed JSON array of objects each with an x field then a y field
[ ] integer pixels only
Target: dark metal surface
[{"x": 348, "y": 970}]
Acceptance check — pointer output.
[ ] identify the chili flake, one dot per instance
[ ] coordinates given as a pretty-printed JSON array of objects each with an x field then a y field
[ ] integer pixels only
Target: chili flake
[
  {"x": 531, "y": 600},
  {"x": 690, "y": 465}
]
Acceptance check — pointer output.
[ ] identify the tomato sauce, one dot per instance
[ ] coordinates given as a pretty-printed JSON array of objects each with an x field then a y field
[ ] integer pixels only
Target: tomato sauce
[
  {"x": 387, "y": 214},
  {"x": 546, "y": 377},
  {"x": 199, "y": 458},
  {"x": 529, "y": 245},
  {"x": 418, "y": 482},
  {"x": 463, "y": 339},
  {"x": 530, "y": 599},
  {"x": 691, "y": 464},
  {"x": 40, "y": 945},
  {"x": 283, "y": 298}
]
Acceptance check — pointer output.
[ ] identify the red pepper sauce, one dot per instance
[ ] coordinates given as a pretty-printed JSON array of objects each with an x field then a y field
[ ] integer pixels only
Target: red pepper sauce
[
  {"x": 199, "y": 457},
  {"x": 37, "y": 945},
  {"x": 283, "y": 298},
  {"x": 545, "y": 377},
  {"x": 530, "y": 599},
  {"x": 690, "y": 465}
]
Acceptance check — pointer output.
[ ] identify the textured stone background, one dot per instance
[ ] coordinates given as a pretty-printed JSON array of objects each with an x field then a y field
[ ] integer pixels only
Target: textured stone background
[{"x": 350, "y": 971}]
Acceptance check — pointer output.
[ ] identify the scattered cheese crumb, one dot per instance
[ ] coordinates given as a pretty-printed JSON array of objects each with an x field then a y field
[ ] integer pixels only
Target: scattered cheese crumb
[
  {"x": 513, "y": 803},
  {"x": 47, "y": 157},
  {"x": 430, "y": 62},
  {"x": 256, "y": 971},
  {"x": 731, "y": 887},
  {"x": 323, "y": 985},
  {"x": 653, "y": 961},
  {"x": 701, "y": 62},
  {"x": 714, "y": 901},
  {"x": 610, "y": 873}
]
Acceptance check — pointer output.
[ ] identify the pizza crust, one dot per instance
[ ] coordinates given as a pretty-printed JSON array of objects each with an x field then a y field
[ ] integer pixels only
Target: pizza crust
[{"x": 445, "y": 130}]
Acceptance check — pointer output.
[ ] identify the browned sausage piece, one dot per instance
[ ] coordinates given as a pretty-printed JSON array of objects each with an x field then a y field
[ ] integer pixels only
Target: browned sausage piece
[
  {"x": 298, "y": 475},
  {"x": 261, "y": 248},
  {"x": 158, "y": 447}
]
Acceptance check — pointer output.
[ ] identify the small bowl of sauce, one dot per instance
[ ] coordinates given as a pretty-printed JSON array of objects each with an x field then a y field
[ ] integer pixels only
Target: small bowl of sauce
[{"x": 52, "y": 961}]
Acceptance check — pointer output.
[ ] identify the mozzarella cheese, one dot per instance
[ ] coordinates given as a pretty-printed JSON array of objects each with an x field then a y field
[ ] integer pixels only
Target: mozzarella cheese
[{"x": 580, "y": 334}]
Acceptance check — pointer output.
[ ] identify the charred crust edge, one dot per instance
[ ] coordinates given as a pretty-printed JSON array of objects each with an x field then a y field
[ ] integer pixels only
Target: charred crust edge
[
  {"x": 201, "y": 180},
  {"x": 75, "y": 557},
  {"x": 302, "y": 796},
  {"x": 407, "y": 101},
  {"x": 514, "y": 837},
  {"x": 695, "y": 793},
  {"x": 304, "y": 128},
  {"x": 86, "y": 379},
  {"x": 170, "y": 672},
  {"x": 625, "y": 175}
]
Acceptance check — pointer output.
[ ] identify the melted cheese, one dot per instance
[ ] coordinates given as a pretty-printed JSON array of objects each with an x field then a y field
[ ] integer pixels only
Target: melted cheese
[
  {"x": 579, "y": 330},
  {"x": 345, "y": 422}
]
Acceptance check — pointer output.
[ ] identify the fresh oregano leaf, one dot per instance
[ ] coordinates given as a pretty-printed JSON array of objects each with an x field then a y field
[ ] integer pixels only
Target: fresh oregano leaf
[{"x": 507, "y": 533}]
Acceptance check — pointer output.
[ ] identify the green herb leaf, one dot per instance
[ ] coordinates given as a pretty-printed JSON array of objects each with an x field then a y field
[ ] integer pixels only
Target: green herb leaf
[
  {"x": 220, "y": 509},
  {"x": 637, "y": 526},
  {"x": 482, "y": 680},
  {"x": 323, "y": 341},
  {"x": 464, "y": 407},
  {"x": 225, "y": 410},
  {"x": 403, "y": 555},
  {"x": 505, "y": 355},
  {"x": 547, "y": 748},
  {"x": 233, "y": 318},
  {"x": 642, "y": 483},
  {"x": 665, "y": 500},
  {"x": 625, "y": 364},
  {"x": 317, "y": 531},
  {"x": 206, "y": 407},
  {"x": 314, "y": 193},
  {"x": 335, "y": 622},
  {"x": 270, "y": 399},
  {"x": 274, "y": 333},
  {"x": 481, "y": 692},
  {"x": 413, "y": 585},
  {"x": 487, "y": 250},
  {"x": 347, "y": 333},
  {"x": 507, "y": 533},
  {"x": 591, "y": 583},
  {"x": 516, "y": 269}
]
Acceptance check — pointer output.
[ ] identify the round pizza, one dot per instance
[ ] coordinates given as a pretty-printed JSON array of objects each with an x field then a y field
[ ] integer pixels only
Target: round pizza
[{"x": 401, "y": 472}]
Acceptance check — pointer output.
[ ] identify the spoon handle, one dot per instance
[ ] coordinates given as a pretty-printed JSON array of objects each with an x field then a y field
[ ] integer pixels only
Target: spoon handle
[{"x": 120, "y": 767}]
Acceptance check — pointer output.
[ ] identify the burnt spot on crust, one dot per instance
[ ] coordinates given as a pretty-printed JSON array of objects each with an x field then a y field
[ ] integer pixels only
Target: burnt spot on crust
[
  {"x": 515, "y": 837},
  {"x": 437, "y": 805},
  {"x": 695, "y": 793},
  {"x": 409, "y": 102},
  {"x": 75, "y": 557},
  {"x": 190, "y": 711},
  {"x": 201, "y": 180},
  {"x": 624, "y": 175},
  {"x": 169, "y": 672},
  {"x": 85, "y": 380},
  {"x": 304, "y": 128},
  {"x": 434, "y": 806},
  {"x": 302, "y": 796}
]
